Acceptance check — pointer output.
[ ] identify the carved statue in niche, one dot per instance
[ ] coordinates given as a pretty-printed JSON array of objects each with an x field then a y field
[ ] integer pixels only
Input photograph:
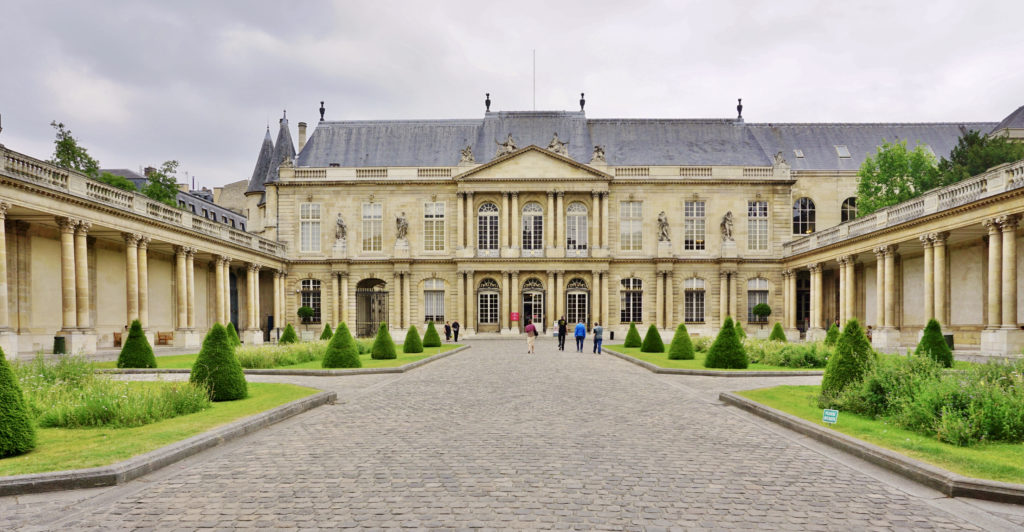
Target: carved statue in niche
[
  {"x": 663, "y": 235},
  {"x": 598, "y": 156},
  {"x": 508, "y": 146},
  {"x": 779, "y": 159},
  {"x": 727, "y": 227},
  {"x": 340, "y": 230},
  {"x": 402, "y": 226},
  {"x": 557, "y": 146},
  {"x": 467, "y": 155}
]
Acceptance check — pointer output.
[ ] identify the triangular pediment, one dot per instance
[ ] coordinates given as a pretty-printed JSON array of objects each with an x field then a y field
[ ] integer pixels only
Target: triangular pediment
[{"x": 533, "y": 162}]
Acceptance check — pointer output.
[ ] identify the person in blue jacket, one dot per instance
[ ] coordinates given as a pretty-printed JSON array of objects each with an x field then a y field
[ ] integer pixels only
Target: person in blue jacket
[{"x": 580, "y": 333}]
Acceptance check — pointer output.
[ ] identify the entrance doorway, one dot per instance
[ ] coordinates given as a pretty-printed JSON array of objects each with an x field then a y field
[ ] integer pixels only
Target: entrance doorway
[
  {"x": 803, "y": 300},
  {"x": 371, "y": 306},
  {"x": 577, "y": 302},
  {"x": 533, "y": 303},
  {"x": 487, "y": 307}
]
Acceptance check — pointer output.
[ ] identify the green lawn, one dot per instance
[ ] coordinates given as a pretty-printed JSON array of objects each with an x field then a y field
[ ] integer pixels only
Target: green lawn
[
  {"x": 186, "y": 361},
  {"x": 61, "y": 449},
  {"x": 662, "y": 360},
  {"x": 997, "y": 461}
]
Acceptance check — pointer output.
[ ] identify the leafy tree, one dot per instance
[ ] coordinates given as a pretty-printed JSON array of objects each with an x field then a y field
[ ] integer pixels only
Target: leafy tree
[
  {"x": 117, "y": 181},
  {"x": 727, "y": 351},
  {"x": 217, "y": 369},
  {"x": 163, "y": 185},
  {"x": 342, "y": 351},
  {"x": 233, "y": 335},
  {"x": 934, "y": 345},
  {"x": 326, "y": 334},
  {"x": 762, "y": 310},
  {"x": 853, "y": 358},
  {"x": 17, "y": 431},
  {"x": 288, "y": 336},
  {"x": 681, "y": 347},
  {"x": 412, "y": 344},
  {"x": 652, "y": 341},
  {"x": 632, "y": 337},
  {"x": 136, "y": 351},
  {"x": 832, "y": 335},
  {"x": 974, "y": 153},
  {"x": 894, "y": 175},
  {"x": 431, "y": 338},
  {"x": 383, "y": 346},
  {"x": 68, "y": 154},
  {"x": 777, "y": 334}
]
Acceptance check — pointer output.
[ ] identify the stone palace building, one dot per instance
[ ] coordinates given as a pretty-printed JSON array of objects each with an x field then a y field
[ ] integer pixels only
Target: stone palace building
[{"x": 521, "y": 216}]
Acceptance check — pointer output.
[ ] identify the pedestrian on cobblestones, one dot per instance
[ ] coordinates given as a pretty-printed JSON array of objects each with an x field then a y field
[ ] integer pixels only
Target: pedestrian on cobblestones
[
  {"x": 447, "y": 332},
  {"x": 598, "y": 337},
  {"x": 455, "y": 329},
  {"x": 580, "y": 333},
  {"x": 562, "y": 331},
  {"x": 531, "y": 335}
]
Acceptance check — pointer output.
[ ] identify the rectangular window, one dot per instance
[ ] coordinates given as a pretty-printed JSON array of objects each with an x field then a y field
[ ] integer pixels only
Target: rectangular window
[
  {"x": 631, "y": 303},
  {"x": 309, "y": 227},
  {"x": 309, "y": 296},
  {"x": 433, "y": 304},
  {"x": 488, "y": 304},
  {"x": 693, "y": 304},
  {"x": 757, "y": 225},
  {"x": 630, "y": 230},
  {"x": 693, "y": 225},
  {"x": 433, "y": 226},
  {"x": 757, "y": 293},
  {"x": 373, "y": 227}
]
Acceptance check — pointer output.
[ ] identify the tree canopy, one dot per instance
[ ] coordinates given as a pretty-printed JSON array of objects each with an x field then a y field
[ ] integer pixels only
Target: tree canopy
[
  {"x": 893, "y": 175},
  {"x": 163, "y": 185},
  {"x": 974, "y": 153},
  {"x": 68, "y": 154}
]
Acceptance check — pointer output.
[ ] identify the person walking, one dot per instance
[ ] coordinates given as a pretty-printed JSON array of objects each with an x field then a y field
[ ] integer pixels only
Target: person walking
[
  {"x": 447, "y": 332},
  {"x": 580, "y": 333},
  {"x": 598, "y": 337},
  {"x": 562, "y": 325},
  {"x": 531, "y": 336},
  {"x": 455, "y": 329}
]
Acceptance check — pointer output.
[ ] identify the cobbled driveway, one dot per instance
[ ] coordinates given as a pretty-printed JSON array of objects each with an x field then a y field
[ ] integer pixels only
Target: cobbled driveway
[{"x": 495, "y": 438}]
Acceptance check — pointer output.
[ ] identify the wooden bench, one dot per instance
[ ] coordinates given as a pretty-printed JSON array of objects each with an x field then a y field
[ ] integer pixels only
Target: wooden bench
[
  {"x": 117, "y": 339},
  {"x": 164, "y": 338}
]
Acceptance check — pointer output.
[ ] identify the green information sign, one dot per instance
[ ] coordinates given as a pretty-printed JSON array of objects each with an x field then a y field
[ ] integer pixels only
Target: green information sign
[{"x": 830, "y": 416}]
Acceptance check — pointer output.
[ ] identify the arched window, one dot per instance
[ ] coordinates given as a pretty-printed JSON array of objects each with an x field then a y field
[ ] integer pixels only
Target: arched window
[
  {"x": 577, "y": 301},
  {"x": 576, "y": 229},
  {"x": 533, "y": 284},
  {"x": 631, "y": 302},
  {"x": 487, "y": 301},
  {"x": 693, "y": 300},
  {"x": 487, "y": 228},
  {"x": 309, "y": 296},
  {"x": 849, "y": 209},
  {"x": 533, "y": 227},
  {"x": 803, "y": 216},
  {"x": 433, "y": 300},
  {"x": 757, "y": 293}
]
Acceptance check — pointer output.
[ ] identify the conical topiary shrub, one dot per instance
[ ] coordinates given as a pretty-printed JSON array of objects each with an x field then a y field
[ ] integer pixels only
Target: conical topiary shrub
[
  {"x": 777, "y": 334},
  {"x": 933, "y": 344},
  {"x": 632, "y": 337},
  {"x": 431, "y": 338},
  {"x": 412, "y": 344},
  {"x": 727, "y": 351},
  {"x": 681, "y": 347},
  {"x": 288, "y": 336},
  {"x": 853, "y": 358},
  {"x": 652, "y": 341},
  {"x": 383, "y": 347},
  {"x": 17, "y": 432},
  {"x": 342, "y": 351},
  {"x": 740, "y": 333},
  {"x": 233, "y": 335},
  {"x": 326, "y": 335},
  {"x": 136, "y": 351},
  {"x": 217, "y": 369},
  {"x": 832, "y": 335}
]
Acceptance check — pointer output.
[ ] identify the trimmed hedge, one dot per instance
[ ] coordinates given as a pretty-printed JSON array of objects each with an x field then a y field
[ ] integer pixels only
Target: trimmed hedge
[
  {"x": 934, "y": 345},
  {"x": 632, "y": 337},
  {"x": 431, "y": 338},
  {"x": 681, "y": 347},
  {"x": 853, "y": 358},
  {"x": 832, "y": 335},
  {"x": 342, "y": 351},
  {"x": 383, "y": 346},
  {"x": 652, "y": 341},
  {"x": 326, "y": 335},
  {"x": 233, "y": 335},
  {"x": 412, "y": 343},
  {"x": 136, "y": 351},
  {"x": 727, "y": 351},
  {"x": 288, "y": 336},
  {"x": 217, "y": 369},
  {"x": 777, "y": 335},
  {"x": 17, "y": 432},
  {"x": 740, "y": 333}
]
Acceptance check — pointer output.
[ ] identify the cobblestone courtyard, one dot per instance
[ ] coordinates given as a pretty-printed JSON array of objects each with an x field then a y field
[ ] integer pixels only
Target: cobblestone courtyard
[{"x": 495, "y": 438}]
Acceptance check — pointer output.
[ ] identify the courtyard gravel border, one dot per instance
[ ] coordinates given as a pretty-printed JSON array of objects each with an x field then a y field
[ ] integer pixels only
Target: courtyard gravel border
[
  {"x": 949, "y": 483},
  {"x": 711, "y": 372},
  {"x": 302, "y": 372},
  {"x": 135, "y": 467}
]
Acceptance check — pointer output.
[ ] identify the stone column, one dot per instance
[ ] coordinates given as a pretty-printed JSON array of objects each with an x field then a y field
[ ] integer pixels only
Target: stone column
[
  {"x": 515, "y": 300},
  {"x": 144, "y": 281},
  {"x": 669, "y": 308},
  {"x": 470, "y": 324},
  {"x": 335, "y": 300},
  {"x": 182, "y": 288},
  {"x": 559, "y": 294},
  {"x": 407, "y": 299},
  {"x": 460, "y": 220},
  {"x": 880, "y": 287},
  {"x": 785, "y": 299},
  {"x": 558, "y": 220},
  {"x": 503, "y": 231},
  {"x": 604, "y": 221},
  {"x": 791, "y": 291},
  {"x": 659, "y": 300},
  {"x": 471, "y": 223},
  {"x": 929, "y": 278},
  {"x": 504, "y": 302},
  {"x": 250, "y": 297},
  {"x": 549, "y": 225},
  {"x": 605, "y": 296},
  {"x": 733, "y": 289},
  {"x": 1008, "y": 224},
  {"x": 890, "y": 287},
  {"x": 723, "y": 297},
  {"x": 276, "y": 306},
  {"x": 396, "y": 289},
  {"x": 851, "y": 288},
  {"x": 82, "y": 274},
  {"x": 549, "y": 296},
  {"x": 995, "y": 274},
  {"x": 218, "y": 274},
  {"x": 344, "y": 298},
  {"x": 842, "y": 290},
  {"x": 69, "y": 299},
  {"x": 515, "y": 233},
  {"x": 592, "y": 238},
  {"x": 941, "y": 281},
  {"x": 131, "y": 256},
  {"x": 815, "y": 324},
  {"x": 595, "y": 299},
  {"x": 190, "y": 279},
  {"x": 226, "y": 290},
  {"x": 8, "y": 338},
  {"x": 460, "y": 297},
  {"x": 258, "y": 303}
]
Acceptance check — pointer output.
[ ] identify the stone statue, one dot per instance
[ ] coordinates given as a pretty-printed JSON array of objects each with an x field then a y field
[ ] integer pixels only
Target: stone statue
[
  {"x": 598, "y": 156},
  {"x": 727, "y": 227},
  {"x": 557, "y": 146},
  {"x": 467, "y": 155},
  {"x": 402, "y": 226},
  {"x": 779, "y": 159},
  {"x": 340, "y": 230},
  {"x": 508, "y": 146},
  {"x": 663, "y": 235},
  {"x": 287, "y": 162}
]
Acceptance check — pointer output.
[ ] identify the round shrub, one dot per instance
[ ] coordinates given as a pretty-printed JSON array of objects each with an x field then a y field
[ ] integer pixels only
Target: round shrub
[
  {"x": 934, "y": 345},
  {"x": 777, "y": 335},
  {"x": 852, "y": 360},
  {"x": 342, "y": 351},
  {"x": 136, "y": 351},
  {"x": 17, "y": 433},
  {"x": 217, "y": 369},
  {"x": 305, "y": 314},
  {"x": 233, "y": 335},
  {"x": 632, "y": 337},
  {"x": 681, "y": 347},
  {"x": 412, "y": 344},
  {"x": 727, "y": 351},
  {"x": 431, "y": 338},
  {"x": 652, "y": 341},
  {"x": 288, "y": 336},
  {"x": 383, "y": 346},
  {"x": 761, "y": 310},
  {"x": 326, "y": 335},
  {"x": 832, "y": 335}
]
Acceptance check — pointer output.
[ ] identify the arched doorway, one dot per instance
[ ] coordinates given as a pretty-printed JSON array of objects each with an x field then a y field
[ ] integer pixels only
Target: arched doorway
[
  {"x": 533, "y": 303},
  {"x": 577, "y": 302},
  {"x": 487, "y": 307},
  {"x": 371, "y": 306}
]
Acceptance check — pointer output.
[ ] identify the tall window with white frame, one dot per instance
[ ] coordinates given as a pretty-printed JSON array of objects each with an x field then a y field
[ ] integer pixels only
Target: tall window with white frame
[
  {"x": 803, "y": 216},
  {"x": 433, "y": 300},
  {"x": 373, "y": 227},
  {"x": 757, "y": 225},
  {"x": 309, "y": 296},
  {"x": 533, "y": 227},
  {"x": 757, "y": 293},
  {"x": 631, "y": 302},
  {"x": 309, "y": 227},
  {"x": 487, "y": 302},
  {"x": 433, "y": 226},
  {"x": 693, "y": 225},
  {"x": 630, "y": 226},
  {"x": 849, "y": 210},
  {"x": 693, "y": 300},
  {"x": 487, "y": 228},
  {"x": 576, "y": 233}
]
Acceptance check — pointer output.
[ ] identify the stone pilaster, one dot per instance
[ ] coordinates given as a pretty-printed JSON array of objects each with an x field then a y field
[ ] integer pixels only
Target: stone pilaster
[
  {"x": 516, "y": 306},
  {"x": 253, "y": 334},
  {"x": 558, "y": 219},
  {"x": 344, "y": 297},
  {"x": 469, "y": 326},
  {"x": 516, "y": 231},
  {"x": 549, "y": 224},
  {"x": 1008, "y": 225},
  {"x": 69, "y": 299},
  {"x": 82, "y": 274},
  {"x": 929, "y": 277},
  {"x": 143, "y": 265},
  {"x": 190, "y": 279},
  {"x": 470, "y": 224},
  {"x": 941, "y": 278},
  {"x": 842, "y": 289},
  {"x": 131, "y": 268},
  {"x": 604, "y": 221},
  {"x": 407, "y": 300},
  {"x": 503, "y": 218},
  {"x": 851, "y": 288},
  {"x": 670, "y": 315},
  {"x": 723, "y": 296},
  {"x": 396, "y": 301},
  {"x": 8, "y": 338},
  {"x": 505, "y": 309},
  {"x": 335, "y": 300},
  {"x": 460, "y": 221},
  {"x": 659, "y": 301},
  {"x": 549, "y": 294}
]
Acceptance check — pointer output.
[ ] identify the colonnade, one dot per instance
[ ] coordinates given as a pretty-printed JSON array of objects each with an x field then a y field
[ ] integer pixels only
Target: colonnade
[{"x": 1002, "y": 272}]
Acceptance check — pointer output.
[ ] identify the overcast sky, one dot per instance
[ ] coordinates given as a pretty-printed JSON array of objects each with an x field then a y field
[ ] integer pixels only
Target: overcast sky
[{"x": 142, "y": 82}]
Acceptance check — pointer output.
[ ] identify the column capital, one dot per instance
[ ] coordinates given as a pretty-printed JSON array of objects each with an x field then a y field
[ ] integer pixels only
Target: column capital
[
  {"x": 3, "y": 209},
  {"x": 83, "y": 227},
  {"x": 191, "y": 252},
  {"x": 560, "y": 193},
  {"x": 131, "y": 239},
  {"x": 469, "y": 194},
  {"x": 144, "y": 242},
  {"x": 814, "y": 267},
  {"x": 849, "y": 259},
  {"x": 67, "y": 225},
  {"x": 887, "y": 249},
  {"x": 551, "y": 194},
  {"x": 253, "y": 267},
  {"x": 180, "y": 250},
  {"x": 992, "y": 224},
  {"x": 786, "y": 273},
  {"x": 926, "y": 240},
  {"x": 1008, "y": 222},
  {"x": 595, "y": 193},
  {"x": 841, "y": 260},
  {"x": 723, "y": 274},
  {"x": 515, "y": 194},
  {"x": 222, "y": 259},
  {"x": 939, "y": 238}
]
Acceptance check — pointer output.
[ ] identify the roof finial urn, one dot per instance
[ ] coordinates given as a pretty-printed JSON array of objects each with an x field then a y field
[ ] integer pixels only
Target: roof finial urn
[
  {"x": 583, "y": 102},
  {"x": 322, "y": 111},
  {"x": 739, "y": 108},
  {"x": 487, "y": 101}
]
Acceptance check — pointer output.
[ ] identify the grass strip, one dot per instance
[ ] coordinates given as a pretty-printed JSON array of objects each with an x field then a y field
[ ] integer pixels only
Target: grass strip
[
  {"x": 186, "y": 361},
  {"x": 662, "y": 360}
]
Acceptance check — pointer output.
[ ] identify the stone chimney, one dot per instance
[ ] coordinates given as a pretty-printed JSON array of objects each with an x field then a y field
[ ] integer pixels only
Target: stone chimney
[
  {"x": 149, "y": 170},
  {"x": 302, "y": 135}
]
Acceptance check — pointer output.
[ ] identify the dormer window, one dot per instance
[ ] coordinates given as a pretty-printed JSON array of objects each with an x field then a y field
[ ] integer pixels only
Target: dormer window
[
  {"x": 799, "y": 153},
  {"x": 842, "y": 151}
]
